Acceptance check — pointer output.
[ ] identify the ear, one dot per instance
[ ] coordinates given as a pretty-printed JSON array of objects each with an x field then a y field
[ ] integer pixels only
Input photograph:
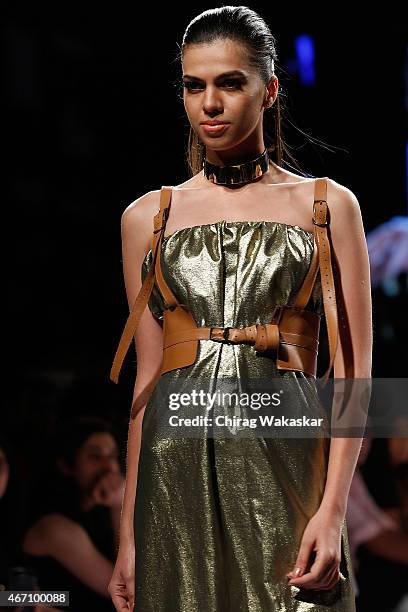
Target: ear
[{"x": 272, "y": 91}]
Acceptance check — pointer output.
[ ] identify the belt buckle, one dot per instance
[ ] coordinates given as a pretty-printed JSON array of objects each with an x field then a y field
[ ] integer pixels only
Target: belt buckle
[
  {"x": 320, "y": 224},
  {"x": 224, "y": 335},
  {"x": 326, "y": 223}
]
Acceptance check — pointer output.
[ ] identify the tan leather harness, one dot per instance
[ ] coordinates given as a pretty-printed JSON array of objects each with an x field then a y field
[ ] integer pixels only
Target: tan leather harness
[{"x": 293, "y": 330}]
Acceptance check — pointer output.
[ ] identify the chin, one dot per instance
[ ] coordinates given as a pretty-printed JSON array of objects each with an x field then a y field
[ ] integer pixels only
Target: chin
[{"x": 216, "y": 144}]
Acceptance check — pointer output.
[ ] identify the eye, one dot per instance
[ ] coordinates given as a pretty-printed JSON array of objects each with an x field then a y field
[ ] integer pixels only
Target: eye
[
  {"x": 195, "y": 86},
  {"x": 191, "y": 85},
  {"x": 235, "y": 82}
]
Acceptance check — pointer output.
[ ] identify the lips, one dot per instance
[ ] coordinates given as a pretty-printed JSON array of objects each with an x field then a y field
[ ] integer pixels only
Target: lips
[
  {"x": 214, "y": 122},
  {"x": 215, "y": 128}
]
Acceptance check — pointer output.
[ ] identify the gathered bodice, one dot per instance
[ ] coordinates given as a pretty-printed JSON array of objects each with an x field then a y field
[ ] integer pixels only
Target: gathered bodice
[{"x": 232, "y": 273}]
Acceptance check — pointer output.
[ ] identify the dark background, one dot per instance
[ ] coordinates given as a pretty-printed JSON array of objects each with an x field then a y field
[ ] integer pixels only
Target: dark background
[{"x": 92, "y": 120}]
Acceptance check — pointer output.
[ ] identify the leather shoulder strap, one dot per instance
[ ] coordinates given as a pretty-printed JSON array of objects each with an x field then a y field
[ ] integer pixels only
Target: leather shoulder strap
[
  {"x": 159, "y": 224},
  {"x": 167, "y": 294},
  {"x": 304, "y": 293},
  {"x": 321, "y": 221}
]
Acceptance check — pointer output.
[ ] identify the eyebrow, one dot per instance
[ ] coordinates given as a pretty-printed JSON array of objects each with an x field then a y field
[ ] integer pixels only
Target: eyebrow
[
  {"x": 220, "y": 76},
  {"x": 95, "y": 447}
]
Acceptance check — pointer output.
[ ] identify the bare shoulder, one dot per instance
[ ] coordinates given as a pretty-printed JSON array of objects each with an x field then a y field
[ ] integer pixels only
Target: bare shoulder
[
  {"x": 141, "y": 211},
  {"x": 49, "y": 530},
  {"x": 346, "y": 221},
  {"x": 342, "y": 202},
  {"x": 137, "y": 220}
]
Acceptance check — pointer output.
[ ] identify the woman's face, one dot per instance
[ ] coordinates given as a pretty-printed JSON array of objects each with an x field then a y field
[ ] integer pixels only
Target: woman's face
[
  {"x": 220, "y": 84},
  {"x": 98, "y": 455}
]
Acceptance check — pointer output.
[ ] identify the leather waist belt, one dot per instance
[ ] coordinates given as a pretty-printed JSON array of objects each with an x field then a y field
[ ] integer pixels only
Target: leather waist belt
[
  {"x": 292, "y": 333},
  {"x": 264, "y": 337}
]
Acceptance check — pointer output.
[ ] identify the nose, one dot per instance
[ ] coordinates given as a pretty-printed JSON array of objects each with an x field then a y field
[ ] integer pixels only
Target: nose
[
  {"x": 212, "y": 103},
  {"x": 111, "y": 464}
]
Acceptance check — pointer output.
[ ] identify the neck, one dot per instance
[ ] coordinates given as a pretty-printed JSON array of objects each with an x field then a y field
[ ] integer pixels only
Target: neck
[
  {"x": 234, "y": 157},
  {"x": 238, "y": 173}
]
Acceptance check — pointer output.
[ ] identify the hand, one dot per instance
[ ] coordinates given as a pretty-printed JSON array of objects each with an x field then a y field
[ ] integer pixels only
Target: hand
[
  {"x": 107, "y": 491},
  {"x": 122, "y": 584},
  {"x": 319, "y": 555}
]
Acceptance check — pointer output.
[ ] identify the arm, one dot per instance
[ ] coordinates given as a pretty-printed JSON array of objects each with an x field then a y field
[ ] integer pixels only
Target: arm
[
  {"x": 353, "y": 359},
  {"x": 391, "y": 544},
  {"x": 137, "y": 230},
  {"x": 66, "y": 541},
  {"x": 115, "y": 514}
]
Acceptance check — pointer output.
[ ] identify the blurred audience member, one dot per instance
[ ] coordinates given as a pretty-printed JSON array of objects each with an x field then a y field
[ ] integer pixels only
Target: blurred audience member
[
  {"x": 378, "y": 541},
  {"x": 388, "y": 249},
  {"x": 71, "y": 539},
  {"x": 11, "y": 512}
]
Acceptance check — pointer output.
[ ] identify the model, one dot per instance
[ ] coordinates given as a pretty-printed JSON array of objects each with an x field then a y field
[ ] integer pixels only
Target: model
[{"x": 230, "y": 270}]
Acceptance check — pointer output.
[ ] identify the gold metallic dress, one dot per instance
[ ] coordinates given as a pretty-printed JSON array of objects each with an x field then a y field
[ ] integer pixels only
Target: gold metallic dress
[{"x": 218, "y": 521}]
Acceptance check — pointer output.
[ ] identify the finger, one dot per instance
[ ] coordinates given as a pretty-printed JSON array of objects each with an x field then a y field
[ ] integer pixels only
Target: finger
[
  {"x": 114, "y": 484},
  {"x": 320, "y": 568},
  {"x": 102, "y": 489},
  {"x": 327, "y": 581},
  {"x": 131, "y": 593},
  {"x": 97, "y": 495},
  {"x": 303, "y": 559},
  {"x": 120, "y": 603},
  {"x": 114, "y": 476},
  {"x": 109, "y": 479},
  {"x": 325, "y": 575},
  {"x": 317, "y": 575},
  {"x": 332, "y": 580},
  {"x": 113, "y": 479},
  {"x": 120, "y": 598},
  {"x": 102, "y": 485},
  {"x": 103, "y": 493}
]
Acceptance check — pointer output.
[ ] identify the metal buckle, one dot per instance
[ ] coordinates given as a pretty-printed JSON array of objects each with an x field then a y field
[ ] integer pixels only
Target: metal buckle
[
  {"x": 314, "y": 212},
  {"x": 224, "y": 335},
  {"x": 211, "y": 338}
]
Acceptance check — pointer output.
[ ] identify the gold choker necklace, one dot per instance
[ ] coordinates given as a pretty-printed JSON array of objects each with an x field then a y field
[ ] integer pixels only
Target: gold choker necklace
[{"x": 238, "y": 173}]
